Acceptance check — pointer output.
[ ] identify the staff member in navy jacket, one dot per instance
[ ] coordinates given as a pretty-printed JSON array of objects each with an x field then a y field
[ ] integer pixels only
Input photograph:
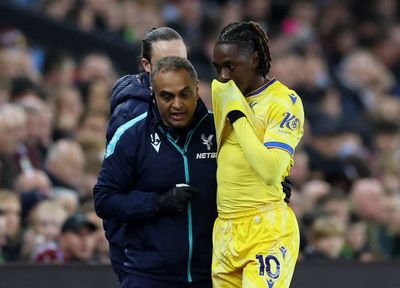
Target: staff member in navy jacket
[
  {"x": 130, "y": 97},
  {"x": 158, "y": 176}
]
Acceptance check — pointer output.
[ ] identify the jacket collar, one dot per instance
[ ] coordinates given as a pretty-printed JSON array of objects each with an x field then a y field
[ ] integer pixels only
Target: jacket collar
[
  {"x": 131, "y": 87},
  {"x": 156, "y": 121}
]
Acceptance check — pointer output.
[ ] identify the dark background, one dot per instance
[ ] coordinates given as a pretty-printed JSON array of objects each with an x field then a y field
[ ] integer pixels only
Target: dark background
[{"x": 307, "y": 275}]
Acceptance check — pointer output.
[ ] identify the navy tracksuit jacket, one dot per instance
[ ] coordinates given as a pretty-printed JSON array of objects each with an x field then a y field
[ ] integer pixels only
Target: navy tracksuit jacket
[
  {"x": 130, "y": 98},
  {"x": 143, "y": 161}
]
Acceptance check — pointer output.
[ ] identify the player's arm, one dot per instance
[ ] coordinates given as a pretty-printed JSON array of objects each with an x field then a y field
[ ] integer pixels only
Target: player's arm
[
  {"x": 113, "y": 195},
  {"x": 271, "y": 156},
  {"x": 270, "y": 164}
]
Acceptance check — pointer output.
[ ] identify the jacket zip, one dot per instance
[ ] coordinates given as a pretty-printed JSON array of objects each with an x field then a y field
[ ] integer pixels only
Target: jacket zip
[{"x": 187, "y": 180}]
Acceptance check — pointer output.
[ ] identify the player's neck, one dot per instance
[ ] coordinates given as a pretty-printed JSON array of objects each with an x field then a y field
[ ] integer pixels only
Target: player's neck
[{"x": 258, "y": 83}]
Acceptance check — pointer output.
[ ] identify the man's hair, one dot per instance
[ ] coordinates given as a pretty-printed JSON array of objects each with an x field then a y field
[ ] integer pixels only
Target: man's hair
[
  {"x": 173, "y": 63},
  {"x": 249, "y": 36},
  {"x": 7, "y": 195},
  {"x": 157, "y": 34}
]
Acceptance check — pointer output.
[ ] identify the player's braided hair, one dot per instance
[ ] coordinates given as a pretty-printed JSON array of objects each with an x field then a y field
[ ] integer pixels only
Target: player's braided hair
[{"x": 250, "y": 36}]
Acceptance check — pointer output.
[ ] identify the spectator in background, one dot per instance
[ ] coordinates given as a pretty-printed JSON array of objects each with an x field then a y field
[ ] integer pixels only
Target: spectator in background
[
  {"x": 230, "y": 11},
  {"x": 65, "y": 164},
  {"x": 3, "y": 235},
  {"x": 4, "y": 91},
  {"x": 140, "y": 16},
  {"x": 92, "y": 126},
  {"x": 97, "y": 96},
  {"x": 258, "y": 11},
  {"x": 58, "y": 71},
  {"x": 95, "y": 67},
  {"x": 23, "y": 88},
  {"x": 32, "y": 187},
  {"x": 77, "y": 240},
  {"x": 385, "y": 160},
  {"x": 336, "y": 204},
  {"x": 12, "y": 133},
  {"x": 326, "y": 239},
  {"x": 356, "y": 246},
  {"x": 365, "y": 81},
  {"x": 68, "y": 199},
  {"x": 75, "y": 245},
  {"x": 58, "y": 9},
  {"x": 91, "y": 138},
  {"x": 312, "y": 192},
  {"x": 300, "y": 172},
  {"x": 32, "y": 147},
  {"x": 323, "y": 151},
  {"x": 92, "y": 169},
  {"x": 368, "y": 200},
  {"x": 68, "y": 110},
  {"x": 15, "y": 57},
  {"x": 189, "y": 20},
  {"x": 44, "y": 229},
  {"x": 390, "y": 57},
  {"x": 10, "y": 206},
  {"x": 393, "y": 220},
  {"x": 39, "y": 129},
  {"x": 90, "y": 134},
  {"x": 101, "y": 251}
]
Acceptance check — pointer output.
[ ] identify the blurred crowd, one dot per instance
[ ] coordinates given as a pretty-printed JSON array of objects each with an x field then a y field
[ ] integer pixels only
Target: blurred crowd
[{"x": 342, "y": 57}]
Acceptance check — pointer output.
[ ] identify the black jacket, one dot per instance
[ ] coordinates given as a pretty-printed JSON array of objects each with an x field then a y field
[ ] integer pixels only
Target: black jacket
[
  {"x": 143, "y": 161},
  {"x": 130, "y": 98}
]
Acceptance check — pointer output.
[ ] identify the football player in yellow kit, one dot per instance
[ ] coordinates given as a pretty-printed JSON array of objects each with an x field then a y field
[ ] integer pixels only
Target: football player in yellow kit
[{"x": 259, "y": 122}]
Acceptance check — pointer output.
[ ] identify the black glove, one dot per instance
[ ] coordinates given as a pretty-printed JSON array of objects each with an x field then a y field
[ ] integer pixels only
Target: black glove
[
  {"x": 234, "y": 115},
  {"x": 287, "y": 188},
  {"x": 175, "y": 199}
]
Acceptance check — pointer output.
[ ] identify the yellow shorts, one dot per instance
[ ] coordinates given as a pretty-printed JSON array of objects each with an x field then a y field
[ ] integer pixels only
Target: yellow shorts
[{"x": 255, "y": 249}]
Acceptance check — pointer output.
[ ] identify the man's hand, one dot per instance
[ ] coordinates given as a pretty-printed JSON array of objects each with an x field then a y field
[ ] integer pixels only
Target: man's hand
[
  {"x": 287, "y": 188},
  {"x": 175, "y": 199}
]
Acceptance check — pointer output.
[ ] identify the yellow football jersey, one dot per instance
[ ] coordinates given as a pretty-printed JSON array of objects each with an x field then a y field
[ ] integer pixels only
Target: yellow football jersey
[{"x": 279, "y": 118}]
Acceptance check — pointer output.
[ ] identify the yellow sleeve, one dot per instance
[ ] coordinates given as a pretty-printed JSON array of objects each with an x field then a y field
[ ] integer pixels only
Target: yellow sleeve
[
  {"x": 227, "y": 97},
  {"x": 284, "y": 123},
  {"x": 270, "y": 164}
]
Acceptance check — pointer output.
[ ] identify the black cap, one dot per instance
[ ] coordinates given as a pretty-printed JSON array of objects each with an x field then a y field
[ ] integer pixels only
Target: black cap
[{"x": 77, "y": 221}]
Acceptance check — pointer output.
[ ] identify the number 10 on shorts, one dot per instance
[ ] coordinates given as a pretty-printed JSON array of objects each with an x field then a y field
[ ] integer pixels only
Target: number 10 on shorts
[{"x": 270, "y": 265}]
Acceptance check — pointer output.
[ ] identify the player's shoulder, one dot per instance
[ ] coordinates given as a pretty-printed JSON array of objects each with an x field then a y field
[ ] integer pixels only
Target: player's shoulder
[
  {"x": 283, "y": 95},
  {"x": 279, "y": 89}
]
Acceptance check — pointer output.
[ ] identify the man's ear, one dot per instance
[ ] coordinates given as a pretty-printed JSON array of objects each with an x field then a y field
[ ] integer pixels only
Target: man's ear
[
  {"x": 255, "y": 59},
  {"x": 197, "y": 90},
  {"x": 146, "y": 65}
]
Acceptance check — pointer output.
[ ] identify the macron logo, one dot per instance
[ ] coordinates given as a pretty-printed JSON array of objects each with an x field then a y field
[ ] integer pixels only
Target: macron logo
[
  {"x": 293, "y": 98},
  {"x": 155, "y": 141}
]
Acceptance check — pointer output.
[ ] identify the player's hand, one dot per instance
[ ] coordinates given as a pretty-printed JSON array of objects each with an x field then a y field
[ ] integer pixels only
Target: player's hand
[
  {"x": 287, "y": 188},
  {"x": 175, "y": 199},
  {"x": 227, "y": 97}
]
